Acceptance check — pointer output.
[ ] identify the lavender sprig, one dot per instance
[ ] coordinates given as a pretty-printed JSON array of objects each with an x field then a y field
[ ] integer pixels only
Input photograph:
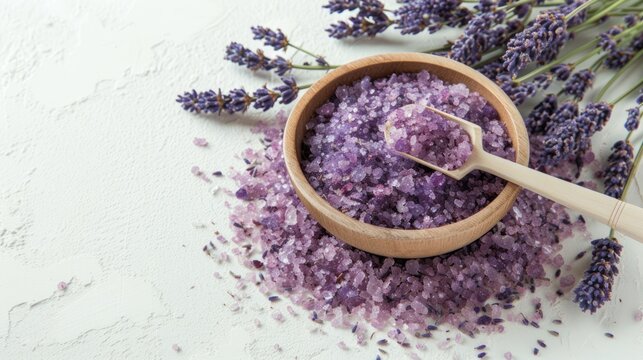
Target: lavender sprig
[
  {"x": 539, "y": 42},
  {"x": 238, "y": 100},
  {"x": 596, "y": 286},
  {"x": 579, "y": 83},
  {"x": 370, "y": 19},
  {"x": 619, "y": 167}
]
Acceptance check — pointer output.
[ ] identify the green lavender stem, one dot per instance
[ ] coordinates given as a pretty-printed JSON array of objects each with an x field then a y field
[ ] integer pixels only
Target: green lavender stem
[
  {"x": 618, "y": 74},
  {"x": 303, "y": 50},
  {"x": 624, "y": 95},
  {"x": 584, "y": 6},
  {"x": 315, "y": 67}
]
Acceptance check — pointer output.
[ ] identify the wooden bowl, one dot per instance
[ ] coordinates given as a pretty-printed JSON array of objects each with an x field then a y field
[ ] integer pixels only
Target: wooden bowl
[{"x": 401, "y": 243}]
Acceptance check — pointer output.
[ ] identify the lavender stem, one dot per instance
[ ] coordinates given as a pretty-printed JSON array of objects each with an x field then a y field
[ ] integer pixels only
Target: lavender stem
[
  {"x": 618, "y": 74},
  {"x": 624, "y": 95},
  {"x": 584, "y": 6}
]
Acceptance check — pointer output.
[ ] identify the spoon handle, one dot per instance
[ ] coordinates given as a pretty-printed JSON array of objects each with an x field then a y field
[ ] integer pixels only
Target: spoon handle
[{"x": 621, "y": 216}]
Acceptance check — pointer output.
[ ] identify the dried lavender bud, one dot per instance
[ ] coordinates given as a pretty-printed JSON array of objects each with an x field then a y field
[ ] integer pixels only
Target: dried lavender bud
[
  {"x": 275, "y": 39},
  {"x": 518, "y": 93},
  {"x": 369, "y": 21},
  {"x": 618, "y": 58},
  {"x": 606, "y": 39},
  {"x": 596, "y": 286},
  {"x": 477, "y": 38},
  {"x": 609, "y": 335},
  {"x": 557, "y": 321},
  {"x": 480, "y": 347},
  {"x": 338, "y": 6},
  {"x": 540, "y": 42},
  {"x": 560, "y": 135},
  {"x": 203, "y": 102},
  {"x": 541, "y": 115},
  {"x": 243, "y": 56},
  {"x": 535, "y": 351},
  {"x": 553, "y": 332},
  {"x": 288, "y": 91},
  {"x": 415, "y": 16},
  {"x": 562, "y": 72},
  {"x": 280, "y": 65},
  {"x": 631, "y": 20},
  {"x": 578, "y": 83},
  {"x": 633, "y": 119},
  {"x": 619, "y": 166},
  {"x": 482, "y": 355},
  {"x": 541, "y": 343},
  {"x": 265, "y": 98},
  {"x": 238, "y": 101},
  {"x": 571, "y": 5}
]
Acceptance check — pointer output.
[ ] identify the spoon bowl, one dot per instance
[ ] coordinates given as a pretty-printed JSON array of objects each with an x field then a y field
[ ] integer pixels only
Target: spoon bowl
[
  {"x": 619, "y": 215},
  {"x": 390, "y": 242}
]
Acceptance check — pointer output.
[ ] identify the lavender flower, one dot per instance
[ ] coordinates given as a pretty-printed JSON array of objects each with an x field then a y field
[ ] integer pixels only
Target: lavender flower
[
  {"x": 238, "y": 101},
  {"x": 338, "y": 6},
  {"x": 243, "y": 56},
  {"x": 415, "y": 16},
  {"x": 596, "y": 286},
  {"x": 288, "y": 91},
  {"x": 592, "y": 119},
  {"x": 542, "y": 114},
  {"x": 619, "y": 166},
  {"x": 492, "y": 70},
  {"x": 569, "y": 7},
  {"x": 202, "y": 102},
  {"x": 578, "y": 83},
  {"x": 618, "y": 58},
  {"x": 544, "y": 37},
  {"x": 560, "y": 135},
  {"x": 476, "y": 39},
  {"x": 359, "y": 26},
  {"x": 370, "y": 19},
  {"x": 631, "y": 20},
  {"x": 633, "y": 119},
  {"x": 606, "y": 39},
  {"x": 562, "y": 72},
  {"x": 265, "y": 98},
  {"x": 280, "y": 65},
  {"x": 276, "y": 39},
  {"x": 518, "y": 93}
]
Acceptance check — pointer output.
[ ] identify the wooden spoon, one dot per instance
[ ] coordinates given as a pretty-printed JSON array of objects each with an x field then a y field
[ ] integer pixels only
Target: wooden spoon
[{"x": 619, "y": 215}]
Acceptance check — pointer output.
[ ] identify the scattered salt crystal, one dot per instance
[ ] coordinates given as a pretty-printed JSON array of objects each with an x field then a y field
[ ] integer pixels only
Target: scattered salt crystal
[
  {"x": 508, "y": 356},
  {"x": 278, "y": 316},
  {"x": 342, "y": 345},
  {"x": 638, "y": 315},
  {"x": 200, "y": 142},
  {"x": 176, "y": 348},
  {"x": 62, "y": 286},
  {"x": 257, "y": 323}
]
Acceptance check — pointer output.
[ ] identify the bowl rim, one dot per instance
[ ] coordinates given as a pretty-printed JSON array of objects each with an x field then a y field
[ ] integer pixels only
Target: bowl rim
[{"x": 414, "y": 237}]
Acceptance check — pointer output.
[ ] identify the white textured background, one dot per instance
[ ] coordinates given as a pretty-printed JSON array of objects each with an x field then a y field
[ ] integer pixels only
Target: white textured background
[{"x": 96, "y": 190}]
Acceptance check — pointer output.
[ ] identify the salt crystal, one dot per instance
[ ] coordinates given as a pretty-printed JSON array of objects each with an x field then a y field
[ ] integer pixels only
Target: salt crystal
[
  {"x": 200, "y": 142},
  {"x": 62, "y": 286}
]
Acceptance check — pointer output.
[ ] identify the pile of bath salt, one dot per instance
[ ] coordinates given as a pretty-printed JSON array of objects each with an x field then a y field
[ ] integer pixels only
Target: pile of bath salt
[
  {"x": 346, "y": 160},
  {"x": 417, "y": 131},
  {"x": 468, "y": 288}
]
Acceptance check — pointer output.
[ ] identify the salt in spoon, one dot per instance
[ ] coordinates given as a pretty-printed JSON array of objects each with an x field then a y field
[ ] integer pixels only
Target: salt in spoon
[{"x": 619, "y": 215}]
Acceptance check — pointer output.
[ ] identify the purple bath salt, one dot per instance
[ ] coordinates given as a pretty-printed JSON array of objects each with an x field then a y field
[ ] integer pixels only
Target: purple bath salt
[
  {"x": 417, "y": 131},
  {"x": 346, "y": 160},
  {"x": 335, "y": 282}
]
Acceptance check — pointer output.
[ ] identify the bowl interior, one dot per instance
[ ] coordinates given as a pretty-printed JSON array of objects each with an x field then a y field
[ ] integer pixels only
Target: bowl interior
[{"x": 398, "y": 242}]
